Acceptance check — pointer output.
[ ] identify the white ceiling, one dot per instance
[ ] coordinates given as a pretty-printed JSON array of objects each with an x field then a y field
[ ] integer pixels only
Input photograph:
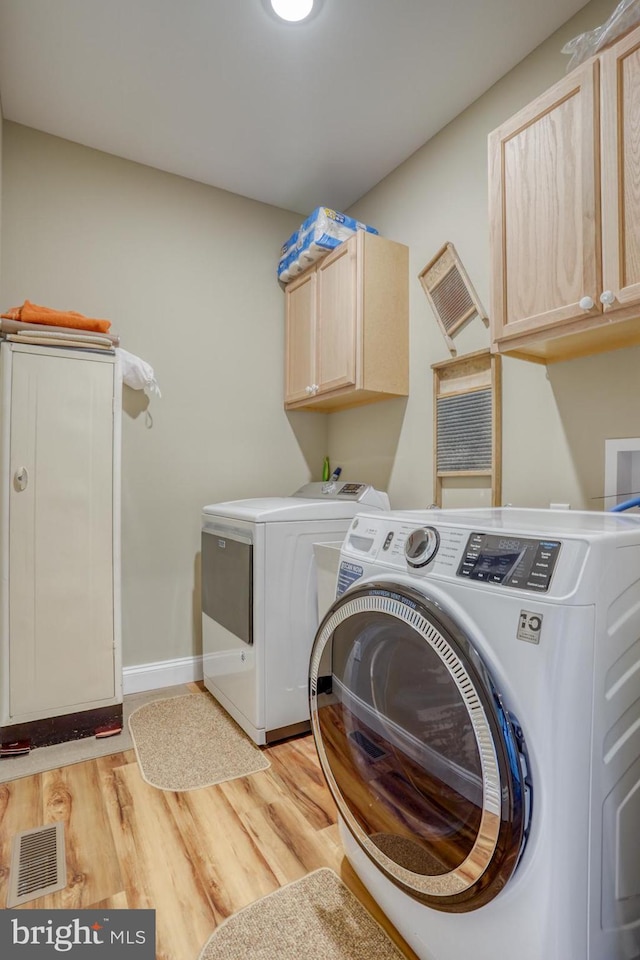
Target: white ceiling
[{"x": 218, "y": 91}]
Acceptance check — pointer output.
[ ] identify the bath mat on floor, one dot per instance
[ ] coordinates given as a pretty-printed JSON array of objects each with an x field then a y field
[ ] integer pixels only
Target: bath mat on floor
[
  {"x": 185, "y": 743},
  {"x": 316, "y": 916},
  {"x": 77, "y": 751}
]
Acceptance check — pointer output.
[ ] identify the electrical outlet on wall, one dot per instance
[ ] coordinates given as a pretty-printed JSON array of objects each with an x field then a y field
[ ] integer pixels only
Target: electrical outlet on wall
[{"x": 621, "y": 470}]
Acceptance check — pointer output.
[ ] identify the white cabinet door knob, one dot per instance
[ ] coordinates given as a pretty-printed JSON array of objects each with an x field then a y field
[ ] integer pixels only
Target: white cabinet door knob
[
  {"x": 315, "y": 388},
  {"x": 607, "y": 297},
  {"x": 587, "y": 303},
  {"x": 21, "y": 479},
  {"x": 308, "y": 390}
]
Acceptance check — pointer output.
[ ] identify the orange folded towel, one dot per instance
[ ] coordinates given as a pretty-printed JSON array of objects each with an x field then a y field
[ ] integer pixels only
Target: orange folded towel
[{"x": 32, "y": 313}]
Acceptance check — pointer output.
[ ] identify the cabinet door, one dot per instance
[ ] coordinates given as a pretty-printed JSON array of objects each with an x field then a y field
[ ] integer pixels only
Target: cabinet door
[
  {"x": 339, "y": 309},
  {"x": 621, "y": 172},
  {"x": 545, "y": 216},
  {"x": 300, "y": 337},
  {"x": 61, "y": 621}
]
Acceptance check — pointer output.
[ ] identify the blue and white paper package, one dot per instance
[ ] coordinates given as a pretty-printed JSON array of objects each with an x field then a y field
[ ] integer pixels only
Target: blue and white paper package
[{"x": 320, "y": 233}]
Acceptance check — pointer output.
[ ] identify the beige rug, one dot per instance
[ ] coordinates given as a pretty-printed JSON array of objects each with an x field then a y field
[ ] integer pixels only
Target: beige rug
[
  {"x": 185, "y": 743},
  {"x": 315, "y": 917},
  {"x": 77, "y": 751}
]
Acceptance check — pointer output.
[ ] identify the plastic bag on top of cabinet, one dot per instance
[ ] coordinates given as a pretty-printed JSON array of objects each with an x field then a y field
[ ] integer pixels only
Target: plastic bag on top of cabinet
[
  {"x": 625, "y": 16},
  {"x": 137, "y": 373}
]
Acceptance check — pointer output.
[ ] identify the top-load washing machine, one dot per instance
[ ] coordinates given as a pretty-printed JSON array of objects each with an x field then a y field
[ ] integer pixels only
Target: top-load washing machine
[
  {"x": 259, "y": 599},
  {"x": 479, "y": 728}
]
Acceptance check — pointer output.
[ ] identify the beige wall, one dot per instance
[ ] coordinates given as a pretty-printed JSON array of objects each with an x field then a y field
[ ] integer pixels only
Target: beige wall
[
  {"x": 555, "y": 420},
  {"x": 187, "y": 275}
]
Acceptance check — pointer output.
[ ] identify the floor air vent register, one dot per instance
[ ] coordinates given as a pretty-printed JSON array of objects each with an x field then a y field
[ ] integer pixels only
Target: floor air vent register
[
  {"x": 38, "y": 864},
  {"x": 366, "y": 745}
]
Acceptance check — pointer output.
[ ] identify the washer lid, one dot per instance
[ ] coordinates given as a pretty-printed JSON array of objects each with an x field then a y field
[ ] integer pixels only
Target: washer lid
[{"x": 314, "y": 501}]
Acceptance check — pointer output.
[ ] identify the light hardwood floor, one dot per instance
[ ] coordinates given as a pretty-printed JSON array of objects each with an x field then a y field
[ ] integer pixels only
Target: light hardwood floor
[{"x": 194, "y": 857}]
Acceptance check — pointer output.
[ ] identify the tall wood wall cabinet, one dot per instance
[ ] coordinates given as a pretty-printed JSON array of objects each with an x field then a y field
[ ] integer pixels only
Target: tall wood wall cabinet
[
  {"x": 60, "y": 649},
  {"x": 347, "y": 326},
  {"x": 565, "y": 214}
]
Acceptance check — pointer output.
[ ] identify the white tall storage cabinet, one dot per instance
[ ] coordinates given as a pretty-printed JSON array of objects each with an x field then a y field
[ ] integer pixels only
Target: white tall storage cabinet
[{"x": 60, "y": 639}]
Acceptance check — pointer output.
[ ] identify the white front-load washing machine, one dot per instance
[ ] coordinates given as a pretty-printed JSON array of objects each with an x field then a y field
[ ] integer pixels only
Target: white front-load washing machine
[
  {"x": 259, "y": 606},
  {"x": 479, "y": 728}
]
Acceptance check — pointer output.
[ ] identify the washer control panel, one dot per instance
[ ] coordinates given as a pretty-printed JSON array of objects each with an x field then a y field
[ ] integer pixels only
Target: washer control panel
[
  {"x": 456, "y": 547},
  {"x": 512, "y": 561}
]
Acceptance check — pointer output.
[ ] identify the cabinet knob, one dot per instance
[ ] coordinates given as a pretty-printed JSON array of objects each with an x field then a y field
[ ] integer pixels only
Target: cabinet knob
[
  {"x": 21, "y": 479},
  {"x": 607, "y": 297},
  {"x": 315, "y": 388},
  {"x": 308, "y": 390},
  {"x": 587, "y": 303}
]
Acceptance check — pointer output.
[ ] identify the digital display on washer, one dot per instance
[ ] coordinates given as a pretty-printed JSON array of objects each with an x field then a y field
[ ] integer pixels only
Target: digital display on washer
[
  {"x": 511, "y": 561},
  {"x": 351, "y": 489}
]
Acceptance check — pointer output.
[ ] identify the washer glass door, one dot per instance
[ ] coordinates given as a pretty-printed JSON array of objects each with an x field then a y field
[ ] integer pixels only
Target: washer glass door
[{"x": 425, "y": 764}]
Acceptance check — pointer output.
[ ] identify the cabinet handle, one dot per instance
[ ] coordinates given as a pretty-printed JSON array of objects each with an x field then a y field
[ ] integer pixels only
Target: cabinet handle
[
  {"x": 587, "y": 303},
  {"x": 308, "y": 390},
  {"x": 607, "y": 297},
  {"x": 315, "y": 388},
  {"x": 21, "y": 479}
]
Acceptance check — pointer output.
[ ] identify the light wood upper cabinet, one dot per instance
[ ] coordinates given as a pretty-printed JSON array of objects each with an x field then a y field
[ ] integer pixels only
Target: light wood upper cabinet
[
  {"x": 337, "y": 333},
  {"x": 347, "y": 327},
  {"x": 565, "y": 214},
  {"x": 621, "y": 171},
  {"x": 300, "y": 334}
]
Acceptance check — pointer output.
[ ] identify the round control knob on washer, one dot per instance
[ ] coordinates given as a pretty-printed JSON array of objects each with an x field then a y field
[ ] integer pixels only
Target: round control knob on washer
[{"x": 421, "y": 546}]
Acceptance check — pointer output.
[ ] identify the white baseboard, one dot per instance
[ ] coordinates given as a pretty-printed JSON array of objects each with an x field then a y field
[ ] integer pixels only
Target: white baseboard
[{"x": 164, "y": 673}]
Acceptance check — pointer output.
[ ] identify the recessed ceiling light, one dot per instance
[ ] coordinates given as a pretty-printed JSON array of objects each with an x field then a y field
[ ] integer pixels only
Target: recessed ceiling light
[{"x": 293, "y": 11}]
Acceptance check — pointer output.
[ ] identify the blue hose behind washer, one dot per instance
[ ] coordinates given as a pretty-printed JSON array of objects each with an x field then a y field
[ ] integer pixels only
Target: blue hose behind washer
[{"x": 626, "y": 505}]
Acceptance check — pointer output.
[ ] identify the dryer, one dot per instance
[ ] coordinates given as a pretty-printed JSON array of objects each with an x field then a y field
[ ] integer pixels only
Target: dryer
[
  {"x": 479, "y": 728},
  {"x": 259, "y": 606}
]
